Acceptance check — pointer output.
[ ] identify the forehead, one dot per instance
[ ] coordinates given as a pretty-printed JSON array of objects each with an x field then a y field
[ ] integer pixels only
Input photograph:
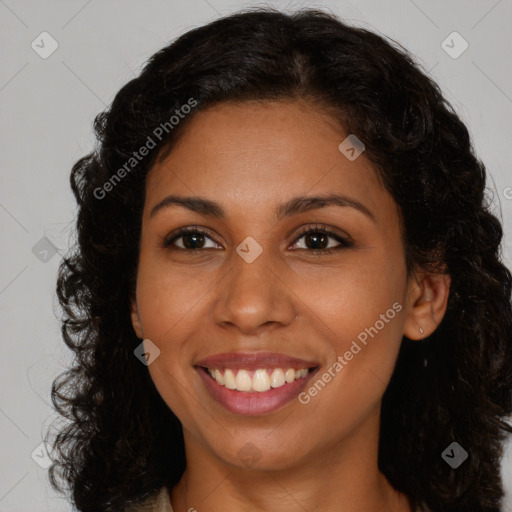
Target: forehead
[{"x": 252, "y": 154}]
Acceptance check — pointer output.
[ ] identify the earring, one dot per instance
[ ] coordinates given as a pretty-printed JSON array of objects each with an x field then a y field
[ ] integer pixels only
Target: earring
[{"x": 425, "y": 360}]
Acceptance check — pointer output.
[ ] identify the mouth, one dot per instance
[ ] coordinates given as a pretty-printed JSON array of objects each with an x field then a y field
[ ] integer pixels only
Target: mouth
[{"x": 253, "y": 384}]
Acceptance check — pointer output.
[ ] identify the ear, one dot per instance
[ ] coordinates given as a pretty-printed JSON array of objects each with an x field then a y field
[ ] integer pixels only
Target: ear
[
  {"x": 135, "y": 317},
  {"x": 426, "y": 304}
]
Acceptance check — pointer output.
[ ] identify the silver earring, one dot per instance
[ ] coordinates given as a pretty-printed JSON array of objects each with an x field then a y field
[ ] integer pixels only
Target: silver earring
[{"x": 425, "y": 360}]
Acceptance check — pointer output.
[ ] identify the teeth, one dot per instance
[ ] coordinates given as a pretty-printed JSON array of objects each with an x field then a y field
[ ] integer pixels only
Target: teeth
[
  {"x": 261, "y": 380},
  {"x": 219, "y": 378},
  {"x": 290, "y": 375},
  {"x": 229, "y": 379},
  {"x": 243, "y": 381},
  {"x": 277, "y": 378}
]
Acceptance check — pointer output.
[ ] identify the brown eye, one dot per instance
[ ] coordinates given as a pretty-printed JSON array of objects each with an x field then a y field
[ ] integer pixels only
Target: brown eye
[
  {"x": 193, "y": 240},
  {"x": 318, "y": 239},
  {"x": 189, "y": 239}
]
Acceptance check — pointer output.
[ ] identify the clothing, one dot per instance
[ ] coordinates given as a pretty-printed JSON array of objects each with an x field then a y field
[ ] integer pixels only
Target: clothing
[{"x": 162, "y": 503}]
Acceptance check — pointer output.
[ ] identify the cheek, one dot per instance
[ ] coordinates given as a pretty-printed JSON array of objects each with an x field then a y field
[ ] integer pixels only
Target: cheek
[
  {"x": 169, "y": 305},
  {"x": 359, "y": 308},
  {"x": 169, "y": 297},
  {"x": 351, "y": 297}
]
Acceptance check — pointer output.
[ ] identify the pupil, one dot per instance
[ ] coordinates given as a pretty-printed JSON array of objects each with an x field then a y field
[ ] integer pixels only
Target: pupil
[
  {"x": 316, "y": 238},
  {"x": 197, "y": 237},
  {"x": 313, "y": 240}
]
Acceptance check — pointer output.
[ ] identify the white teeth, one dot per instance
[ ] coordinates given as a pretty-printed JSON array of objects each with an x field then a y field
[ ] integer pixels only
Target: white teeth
[
  {"x": 219, "y": 378},
  {"x": 229, "y": 379},
  {"x": 262, "y": 379},
  {"x": 277, "y": 378},
  {"x": 243, "y": 380},
  {"x": 290, "y": 375}
]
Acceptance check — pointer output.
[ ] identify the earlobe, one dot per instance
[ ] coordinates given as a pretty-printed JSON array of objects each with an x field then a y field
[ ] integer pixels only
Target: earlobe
[
  {"x": 135, "y": 317},
  {"x": 428, "y": 299}
]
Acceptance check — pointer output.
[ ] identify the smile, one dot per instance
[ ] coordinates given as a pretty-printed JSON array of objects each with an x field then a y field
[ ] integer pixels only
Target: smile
[
  {"x": 260, "y": 380},
  {"x": 251, "y": 383}
]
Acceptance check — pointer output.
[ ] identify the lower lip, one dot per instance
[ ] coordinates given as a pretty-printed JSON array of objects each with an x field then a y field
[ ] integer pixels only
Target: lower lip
[{"x": 253, "y": 403}]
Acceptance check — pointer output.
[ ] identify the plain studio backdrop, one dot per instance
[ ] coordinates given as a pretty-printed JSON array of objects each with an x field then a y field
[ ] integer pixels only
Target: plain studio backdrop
[{"x": 63, "y": 62}]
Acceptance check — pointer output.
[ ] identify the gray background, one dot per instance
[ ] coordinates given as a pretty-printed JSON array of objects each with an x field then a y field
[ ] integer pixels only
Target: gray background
[{"x": 47, "y": 110}]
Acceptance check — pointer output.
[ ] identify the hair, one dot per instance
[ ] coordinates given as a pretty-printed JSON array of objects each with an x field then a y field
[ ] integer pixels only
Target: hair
[{"x": 121, "y": 443}]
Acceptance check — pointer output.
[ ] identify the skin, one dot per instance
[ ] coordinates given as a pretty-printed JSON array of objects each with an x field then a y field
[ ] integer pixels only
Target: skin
[{"x": 250, "y": 158}]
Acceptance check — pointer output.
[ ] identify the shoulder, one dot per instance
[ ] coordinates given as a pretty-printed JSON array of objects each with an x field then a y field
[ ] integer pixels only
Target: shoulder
[
  {"x": 160, "y": 502},
  {"x": 423, "y": 508}
]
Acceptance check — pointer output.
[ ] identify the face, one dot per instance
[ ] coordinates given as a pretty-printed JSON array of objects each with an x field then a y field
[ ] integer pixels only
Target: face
[{"x": 247, "y": 288}]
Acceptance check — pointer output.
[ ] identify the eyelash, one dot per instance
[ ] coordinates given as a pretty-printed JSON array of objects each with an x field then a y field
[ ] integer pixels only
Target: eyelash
[{"x": 345, "y": 242}]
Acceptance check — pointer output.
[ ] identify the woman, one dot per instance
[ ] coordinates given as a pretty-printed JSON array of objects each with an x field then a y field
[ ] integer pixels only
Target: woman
[{"x": 286, "y": 292}]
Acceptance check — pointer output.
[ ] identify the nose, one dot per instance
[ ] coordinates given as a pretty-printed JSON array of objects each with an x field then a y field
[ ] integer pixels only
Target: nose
[{"x": 252, "y": 296}]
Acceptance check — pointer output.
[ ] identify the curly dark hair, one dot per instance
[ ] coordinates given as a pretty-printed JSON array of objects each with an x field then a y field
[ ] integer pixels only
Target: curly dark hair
[{"x": 121, "y": 443}]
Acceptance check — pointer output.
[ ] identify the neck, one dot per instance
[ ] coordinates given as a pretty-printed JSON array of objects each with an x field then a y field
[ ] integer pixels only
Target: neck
[{"x": 345, "y": 477}]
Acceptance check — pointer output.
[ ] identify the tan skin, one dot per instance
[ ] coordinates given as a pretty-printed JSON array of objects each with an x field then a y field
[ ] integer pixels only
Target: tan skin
[{"x": 249, "y": 158}]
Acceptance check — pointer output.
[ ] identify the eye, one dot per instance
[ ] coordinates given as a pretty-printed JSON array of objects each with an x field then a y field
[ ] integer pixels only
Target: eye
[
  {"x": 319, "y": 239},
  {"x": 189, "y": 238}
]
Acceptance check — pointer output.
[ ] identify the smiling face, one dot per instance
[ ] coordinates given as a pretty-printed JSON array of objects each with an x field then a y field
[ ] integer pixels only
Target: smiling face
[{"x": 246, "y": 279}]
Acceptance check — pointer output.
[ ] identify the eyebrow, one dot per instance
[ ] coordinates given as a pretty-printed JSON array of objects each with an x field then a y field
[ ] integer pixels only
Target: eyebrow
[{"x": 293, "y": 206}]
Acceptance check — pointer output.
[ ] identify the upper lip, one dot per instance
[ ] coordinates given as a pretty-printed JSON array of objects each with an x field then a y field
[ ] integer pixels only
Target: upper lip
[{"x": 254, "y": 361}]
